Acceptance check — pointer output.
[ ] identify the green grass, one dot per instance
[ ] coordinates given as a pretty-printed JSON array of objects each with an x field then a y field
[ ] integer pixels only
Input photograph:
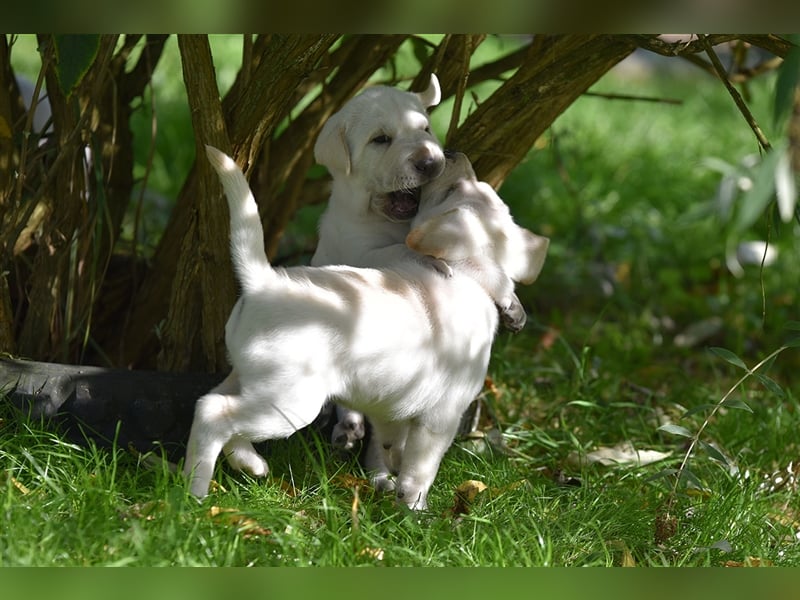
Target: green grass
[{"x": 636, "y": 258}]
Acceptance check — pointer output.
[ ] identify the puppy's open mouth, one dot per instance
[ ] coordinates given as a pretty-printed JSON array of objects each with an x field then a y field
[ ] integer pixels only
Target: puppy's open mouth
[{"x": 401, "y": 205}]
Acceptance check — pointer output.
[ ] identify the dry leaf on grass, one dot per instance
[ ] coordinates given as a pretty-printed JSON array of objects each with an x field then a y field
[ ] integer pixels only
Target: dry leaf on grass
[
  {"x": 750, "y": 561},
  {"x": 620, "y": 455},
  {"x": 466, "y": 493},
  {"x": 146, "y": 510},
  {"x": 374, "y": 553},
  {"x": 21, "y": 487},
  {"x": 348, "y": 481},
  {"x": 232, "y": 517},
  {"x": 626, "y": 558}
]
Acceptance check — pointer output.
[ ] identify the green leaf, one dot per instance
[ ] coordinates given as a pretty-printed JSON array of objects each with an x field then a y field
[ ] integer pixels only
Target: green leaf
[
  {"x": 676, "y": 429},
  {"x": 714, "y": 453},
  {"x": 792, "y": 325},
  {"x": 697, "y": 409},
  {"x": 793, "y": 343},
  {"x": 785, "y": 187},
  {"x": 755, "y": 200},
  {"x": 788, "y": 78},
  {"x": 661, "y": 474},
  {"x": 74, "y": 55},
  {"x": 691, "y": 479},
  {"x": 771, "y": 385},
  {"x": 736, "y": 403},
  {"x": 728, "y": 356}
]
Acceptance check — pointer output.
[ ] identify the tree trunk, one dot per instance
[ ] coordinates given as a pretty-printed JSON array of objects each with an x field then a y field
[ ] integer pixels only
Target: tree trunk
[
  {"x": 64, "y": 271},
  {"x": 251, "y": 116},
  {"x": 555, "y": 72}
]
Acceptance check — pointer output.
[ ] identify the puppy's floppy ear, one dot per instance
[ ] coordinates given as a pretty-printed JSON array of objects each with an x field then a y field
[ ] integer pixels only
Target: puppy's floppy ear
[
  {"x": 452, "y": 235},
  {"x": 433, "y": 95},
  {"x": 525, "y": 256},
  {"x": 331, "y": 149}
]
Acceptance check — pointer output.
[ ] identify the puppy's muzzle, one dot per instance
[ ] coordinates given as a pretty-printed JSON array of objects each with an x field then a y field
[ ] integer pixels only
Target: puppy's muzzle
[
  {"x": 429, "y": 166},
  {"x": 402, "y": 205}
]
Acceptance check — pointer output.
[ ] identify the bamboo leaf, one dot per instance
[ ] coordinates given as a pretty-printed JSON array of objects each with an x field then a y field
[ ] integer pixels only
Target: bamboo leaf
[
  {"x": 698, "y": 409},
  {"x": 691, "y": 479},
  {"x": 714, "y": 453},
  {"x": 787, "y": 81},
  {"x": 771, "y": 385},
  {"x": 793, "y": 343},
  {"x": 728, "y": 356},
  {"x": 785, "y": 187},
  {"x": 676, "y": 430},
  {"x": 736, "y": 403},
  {"x": 755, "y": 200},
  {"x": 662, "y": 474},
  {"x": 74, "y": 55}
]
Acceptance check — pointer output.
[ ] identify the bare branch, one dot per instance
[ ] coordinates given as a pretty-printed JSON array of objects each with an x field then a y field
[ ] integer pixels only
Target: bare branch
[{"x": 737, "y": 97}]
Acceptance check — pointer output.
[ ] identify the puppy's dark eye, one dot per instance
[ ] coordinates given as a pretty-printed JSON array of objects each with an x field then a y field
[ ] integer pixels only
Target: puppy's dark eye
[
  {"x": 428, "y": 129},
  {"x": 382, "y": 139}
]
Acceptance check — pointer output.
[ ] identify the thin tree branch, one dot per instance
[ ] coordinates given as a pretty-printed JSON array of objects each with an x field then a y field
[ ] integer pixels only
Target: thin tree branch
[{"x": 737, "y": 97}]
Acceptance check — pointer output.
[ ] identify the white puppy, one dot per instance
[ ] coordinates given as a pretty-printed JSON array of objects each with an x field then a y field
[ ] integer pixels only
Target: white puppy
[
  {"x": 388, "y": 341},
  {"x": 379, "y": 150}
]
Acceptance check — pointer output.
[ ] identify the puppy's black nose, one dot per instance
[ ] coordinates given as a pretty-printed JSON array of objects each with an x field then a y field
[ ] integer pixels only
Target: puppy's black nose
[{"x": 426, "y": 165}]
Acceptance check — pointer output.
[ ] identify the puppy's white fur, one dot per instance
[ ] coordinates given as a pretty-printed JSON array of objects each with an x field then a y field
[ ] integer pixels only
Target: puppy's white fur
[
  {"x": 379, "y": 150},
  {"x": 386, "y": 340}
]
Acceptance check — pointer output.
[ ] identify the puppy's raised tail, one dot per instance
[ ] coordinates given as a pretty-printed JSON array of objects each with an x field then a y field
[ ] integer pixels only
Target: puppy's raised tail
[{"x": 247, "y": 236}]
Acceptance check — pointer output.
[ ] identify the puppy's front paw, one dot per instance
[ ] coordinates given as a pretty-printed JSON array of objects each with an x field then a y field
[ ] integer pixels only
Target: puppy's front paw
[
  {"x": 383, "y": 482},
  {"x": 513, "y": 316}
]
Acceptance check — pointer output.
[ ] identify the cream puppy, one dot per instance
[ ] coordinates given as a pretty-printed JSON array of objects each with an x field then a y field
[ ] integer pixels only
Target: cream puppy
[
  {"x": 389, "y": 342},
  {"x": 379, "y": 150}
]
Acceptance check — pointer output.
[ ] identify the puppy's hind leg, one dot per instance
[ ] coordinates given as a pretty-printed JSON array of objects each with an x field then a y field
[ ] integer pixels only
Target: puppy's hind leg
[
  {"x": 208, "y": 434},
  {"x": 241, "y": 455}
]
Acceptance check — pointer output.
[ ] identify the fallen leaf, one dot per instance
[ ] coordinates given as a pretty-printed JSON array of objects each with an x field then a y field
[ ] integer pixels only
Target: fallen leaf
[
  {"x": 750, "y": 561},
  {"x": 287, "y": 487},
  {"x": 698, "y": 332},
  {"x": 19, "y": 485},
  {"x": 549, "y": 338},
  {"x": 490, "y": 386},
  {"x": 466, "y": 493},
  {"x": 621, "y": 454},
  {"x": 376, "y": 553},
  {"x": 348, "y": 481},
  {"x": 146, "y": 510},
  {"x": 233, "y": 518},
  {"x": 626, "y": 557}
]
